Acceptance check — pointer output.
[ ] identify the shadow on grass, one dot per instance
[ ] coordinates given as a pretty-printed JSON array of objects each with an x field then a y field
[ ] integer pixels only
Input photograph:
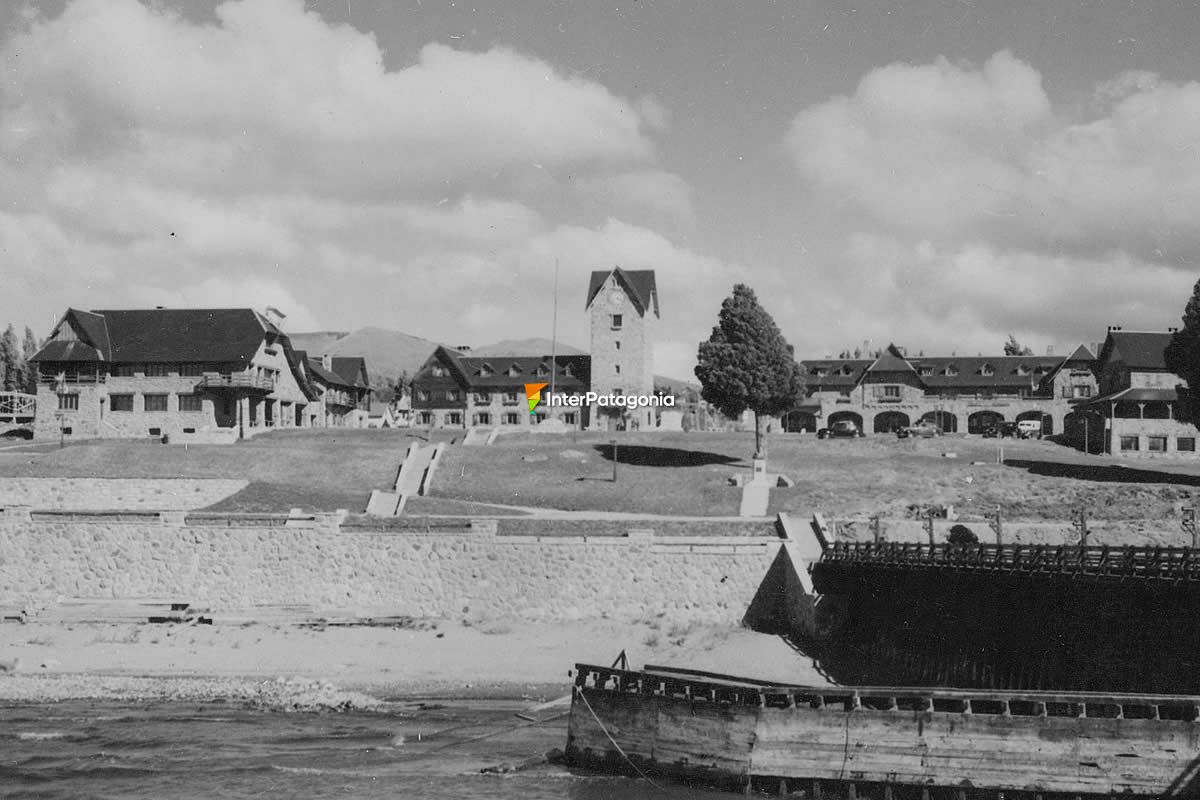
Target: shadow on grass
[
  {"x": 1102, "y": 473},
  {"x": 643, "y": 456}
]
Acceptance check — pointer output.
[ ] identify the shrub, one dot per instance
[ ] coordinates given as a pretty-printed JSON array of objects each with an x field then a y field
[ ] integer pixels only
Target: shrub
[{"x": 961, "y": 534}]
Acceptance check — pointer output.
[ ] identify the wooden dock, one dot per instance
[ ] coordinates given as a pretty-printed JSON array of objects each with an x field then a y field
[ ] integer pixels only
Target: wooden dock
[{"x": 882, "y": 742}]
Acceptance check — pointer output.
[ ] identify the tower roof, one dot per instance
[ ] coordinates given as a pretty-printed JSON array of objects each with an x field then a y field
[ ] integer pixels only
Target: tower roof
[{"x": 639, "y": 284}]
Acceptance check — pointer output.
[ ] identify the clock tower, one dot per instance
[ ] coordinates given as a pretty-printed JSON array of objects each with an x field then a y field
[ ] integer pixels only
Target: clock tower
[{"x": 624, "y": 315}]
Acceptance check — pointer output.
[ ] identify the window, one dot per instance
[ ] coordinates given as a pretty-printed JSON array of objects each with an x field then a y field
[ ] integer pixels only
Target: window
[
  {"x": 569, "y": 418},
  {"x": 423, "y": 395},
  {"x": 987, "y": 369},
  {"x": 121, "y": 402},
  {"x": 891, "y": 391},
  {"x": 950, "y": 371},
  {"x": 483, "y": 419},
  {"x": 425, "y": 418},
  {"x": 617, "y": 367},
  {"x": 1129, "y": 443},
  {"x": 513, "y": 371},
  {"x": 541, "y": 371},
  {"x": 438, "y": 371},
  {"x": 452, "y": 394},
  {"x": 1068, "y": 391},
  {"x": 154, "y": 431},
  {"x": 924, "y": 372},
  {"x": 483, "y": 398},
  {"x": 454, "y": 418},
  {"x": 1156, "y": 444},
  {"x": 125, "y": 370},
  {"x": 485, "y": 371},
  {"x": 190, "y": 402},
  {"x": 820, "y": 372},
  {"x": 189, "y": 430},
  {"x": 511, "y": 419},
  {"x": 616, "y": 322},
  {"x": 510, "y": 398},
  {"x": 67, "y": 430},
  {"x": 1082, "y": 391},
  {"x": 1186, "y": 444},
  {"x": 156, "y": 402},
  {"x": 68, "y": 402},
  {"x": 618, "y": 344},
  {"x": 191, "y": 370},
  {"x": 156, "y": 370}
]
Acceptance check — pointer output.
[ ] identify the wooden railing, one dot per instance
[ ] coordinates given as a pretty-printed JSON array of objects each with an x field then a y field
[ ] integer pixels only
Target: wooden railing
[
  {"x": 1145, "y": 563},
  {"x": 238, "y": 380}
]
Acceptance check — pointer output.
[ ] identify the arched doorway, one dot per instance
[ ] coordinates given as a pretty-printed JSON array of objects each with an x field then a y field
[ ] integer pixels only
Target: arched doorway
[
  {"x": 850, "y": 415},
  {"x": 980, "y": 421},
  {"x": 1046, "y": 420},
  {"x": 890, "y": 421},
  {"x": 800, "y": 422},
  {"x": 943, "y": 419}
]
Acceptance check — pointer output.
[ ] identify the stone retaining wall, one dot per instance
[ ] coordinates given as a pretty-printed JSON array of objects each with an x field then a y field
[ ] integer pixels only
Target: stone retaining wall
[
  {"x": 453, "y": 572},
  {"x": 1156, "y": 533},
  {"x": 98, "y": 494}
]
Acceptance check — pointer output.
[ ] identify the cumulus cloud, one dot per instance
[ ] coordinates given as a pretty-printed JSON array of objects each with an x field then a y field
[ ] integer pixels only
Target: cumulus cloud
[
  {"x": 991, "y": 209},
  {"x": 269, "y": 157}
]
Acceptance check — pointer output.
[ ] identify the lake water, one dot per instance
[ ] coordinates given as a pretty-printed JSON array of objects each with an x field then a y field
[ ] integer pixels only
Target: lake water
[{"x": 434, "y": 750}]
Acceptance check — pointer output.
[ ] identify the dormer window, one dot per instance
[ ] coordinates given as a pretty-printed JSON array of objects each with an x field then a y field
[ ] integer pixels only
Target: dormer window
[
  {"x": 925, "y": 372},
  {"x": 845, "y": 370},
  {"x": 485, "y": 371},
  {"x": 570, "y": 373},
  {"x": 541, "y": 371},
  {"x": 438, "y": 371},
  {"x": 820, "y": 372},
  {"x": 1022, "y": 369},
  {"x": 950, "y": 371},
  {"x": 987, "y": 370},
  {"x": 513, "y": 371}
]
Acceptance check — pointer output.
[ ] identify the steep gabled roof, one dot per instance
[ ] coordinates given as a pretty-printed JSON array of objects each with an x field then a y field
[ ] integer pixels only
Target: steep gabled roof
[
  {"x": 352, "y": 369},
  {"x": 573, "y": 371},
  {"x": 639, "y": 284},
  {"x": 1137, "y": 349},
  {"x": 185, "y": 334},
  {"x": 892, "y": 360}
]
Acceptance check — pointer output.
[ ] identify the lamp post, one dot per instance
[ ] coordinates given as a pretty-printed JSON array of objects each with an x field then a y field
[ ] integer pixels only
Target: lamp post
[{"x": 613, "y": 444}]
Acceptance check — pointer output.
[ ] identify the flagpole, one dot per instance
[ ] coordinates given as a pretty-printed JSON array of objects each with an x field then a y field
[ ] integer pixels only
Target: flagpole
[{"x": 554, "y": 334}]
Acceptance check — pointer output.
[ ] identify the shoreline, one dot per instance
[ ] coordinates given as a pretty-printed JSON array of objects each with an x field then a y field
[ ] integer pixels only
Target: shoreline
[{"x": 278, "y": 667}]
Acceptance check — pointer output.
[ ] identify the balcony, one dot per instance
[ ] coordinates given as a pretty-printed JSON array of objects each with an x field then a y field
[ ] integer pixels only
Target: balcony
[{"x": 240, "y": 381}]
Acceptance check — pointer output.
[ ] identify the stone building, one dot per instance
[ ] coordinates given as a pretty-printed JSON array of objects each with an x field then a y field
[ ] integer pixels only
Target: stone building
[
  {"x": 344, "y": 387},
  {"x": 624, "y": 319},
  {"x": 456, "y": 389},
  {"x": 208, "y": 375},
  {"x": 965, "y": 394},
  {"x": 1135, "y": 412}
]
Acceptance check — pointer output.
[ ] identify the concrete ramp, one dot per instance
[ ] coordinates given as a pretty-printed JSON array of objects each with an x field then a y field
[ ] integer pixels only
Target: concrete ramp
[
  {"x": 384, "y": 504},
  {"x": 755, "y": 496}
]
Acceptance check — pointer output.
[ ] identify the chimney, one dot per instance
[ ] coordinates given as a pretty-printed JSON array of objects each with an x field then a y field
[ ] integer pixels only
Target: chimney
[
  {"x": 327, "y": 361},
  {"x": 463, "y": 348}
]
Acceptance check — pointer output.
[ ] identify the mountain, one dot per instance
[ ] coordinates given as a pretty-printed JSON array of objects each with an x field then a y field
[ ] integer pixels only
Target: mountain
[
  {"x": 388, "y": 353},
  {"x": 525, "y": 347}
]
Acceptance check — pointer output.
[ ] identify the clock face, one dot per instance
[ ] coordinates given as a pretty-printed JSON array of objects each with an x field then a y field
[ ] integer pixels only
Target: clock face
[{"x": 616, "y": 297}]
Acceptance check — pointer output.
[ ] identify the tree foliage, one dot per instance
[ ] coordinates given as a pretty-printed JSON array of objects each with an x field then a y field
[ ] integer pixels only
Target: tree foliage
[
  {"x": 1014, "y": 348},
  {"x": 12, "y": 366},
  {"x": 29, "y": 348},
  {"x": 747, "y": 364},
  {"x": 961, "y": 534},
  {"x": 1182, "y": 357}
]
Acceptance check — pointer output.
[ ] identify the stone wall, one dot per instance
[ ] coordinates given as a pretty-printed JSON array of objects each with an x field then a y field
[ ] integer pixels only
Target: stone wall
[
  {"x": 453, "y": 572},
  {"x": 99, "y": 494}
]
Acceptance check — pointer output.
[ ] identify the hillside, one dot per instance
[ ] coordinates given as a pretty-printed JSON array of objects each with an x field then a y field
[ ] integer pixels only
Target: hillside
[
  {"x": 388, "y": 353},
  {"x": 524, "y": 347}
]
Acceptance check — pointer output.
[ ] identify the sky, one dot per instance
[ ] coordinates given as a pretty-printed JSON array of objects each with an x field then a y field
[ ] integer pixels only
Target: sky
[{"x": 935, "y": 173}]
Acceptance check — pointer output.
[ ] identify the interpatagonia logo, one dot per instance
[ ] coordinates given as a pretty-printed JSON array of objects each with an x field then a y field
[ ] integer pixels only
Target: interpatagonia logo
[{"x": 533, "y": 394}]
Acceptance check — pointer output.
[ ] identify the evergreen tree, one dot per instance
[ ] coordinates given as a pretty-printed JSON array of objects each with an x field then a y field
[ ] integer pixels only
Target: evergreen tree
[
  {"x": 747, "y": 364},
  {"x": 1182, "y": 357},
  {"x": 1013, "y": 348},
  {"x": 29, "y": 348},
  {"x": 10, "y": 361}
]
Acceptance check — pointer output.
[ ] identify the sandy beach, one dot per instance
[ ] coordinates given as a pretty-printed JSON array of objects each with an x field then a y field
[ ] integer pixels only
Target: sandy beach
[{"x": 282, "y": 666}]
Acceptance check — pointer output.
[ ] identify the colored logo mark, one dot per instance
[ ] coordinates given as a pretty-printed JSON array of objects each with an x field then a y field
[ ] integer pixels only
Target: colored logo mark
[{"x": 533, "y": 394}]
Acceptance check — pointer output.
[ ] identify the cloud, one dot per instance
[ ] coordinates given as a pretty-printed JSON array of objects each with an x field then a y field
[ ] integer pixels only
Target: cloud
[{"x": 268, "y": 157}]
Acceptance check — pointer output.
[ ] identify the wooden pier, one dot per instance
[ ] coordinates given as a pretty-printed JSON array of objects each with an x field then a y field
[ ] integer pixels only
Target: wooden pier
[{"x": 885, "y": 743}]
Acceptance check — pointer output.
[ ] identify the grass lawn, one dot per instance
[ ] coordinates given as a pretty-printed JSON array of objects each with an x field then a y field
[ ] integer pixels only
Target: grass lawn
[
  {"x": 657, "y": 473},
  {"x": 687, "y": 473},
  {"x": 321, "y": 469}
]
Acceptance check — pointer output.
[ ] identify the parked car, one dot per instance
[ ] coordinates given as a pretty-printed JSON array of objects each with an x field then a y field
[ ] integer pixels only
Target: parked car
[
  {"x": 924, "y": 429},
  {"x": 1030, "y": 428},
  {"x": 841, "y": 428},
  {"x": 1002, "y": 430}
]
